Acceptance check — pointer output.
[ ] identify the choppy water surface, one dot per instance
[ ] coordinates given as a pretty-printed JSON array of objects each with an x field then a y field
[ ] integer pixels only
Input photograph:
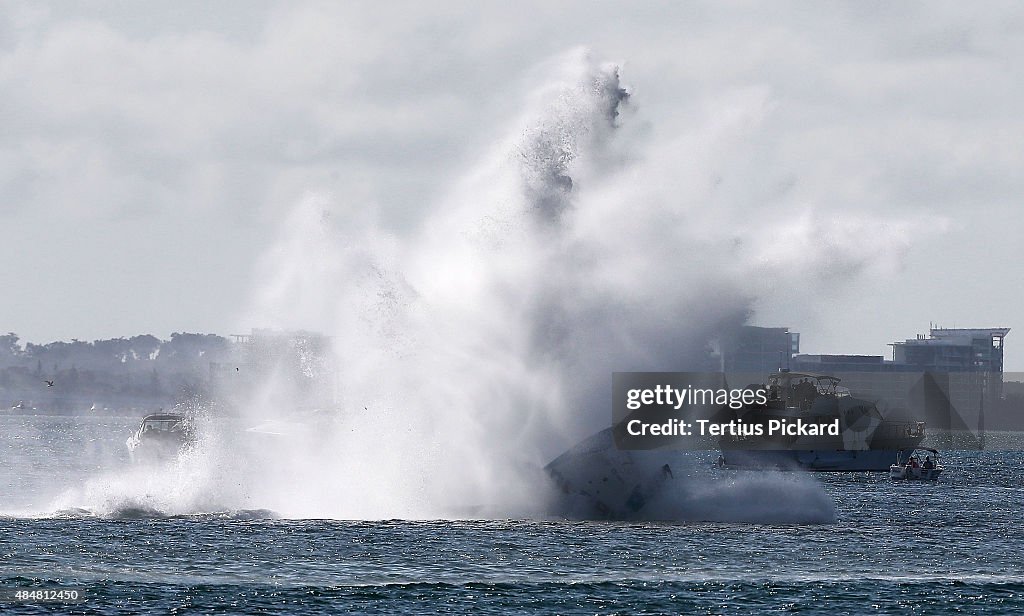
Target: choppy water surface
[{"x": 894, "y": 548}]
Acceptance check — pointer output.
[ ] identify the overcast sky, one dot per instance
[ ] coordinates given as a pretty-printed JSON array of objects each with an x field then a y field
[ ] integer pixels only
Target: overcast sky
[{"x": 149, "y": 152}]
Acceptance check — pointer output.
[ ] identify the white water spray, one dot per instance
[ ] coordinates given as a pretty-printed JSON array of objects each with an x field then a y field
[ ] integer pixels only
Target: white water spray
[{"x": 474, "y": 349}]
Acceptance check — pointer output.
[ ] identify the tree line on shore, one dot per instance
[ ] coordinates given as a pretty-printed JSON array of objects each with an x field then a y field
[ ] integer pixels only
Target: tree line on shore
[{"x": 139, "y": 370}]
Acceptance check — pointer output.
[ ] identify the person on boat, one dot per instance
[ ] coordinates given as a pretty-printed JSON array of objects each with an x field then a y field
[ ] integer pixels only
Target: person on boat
[
  {"x": 914, "y": 463},
  {"x": 804, "y": 393},
  {"x": 928, "y": 464}
]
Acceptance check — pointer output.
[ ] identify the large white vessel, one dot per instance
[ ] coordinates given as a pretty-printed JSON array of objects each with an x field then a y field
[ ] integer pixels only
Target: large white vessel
[{"x": 866, "y": 441}]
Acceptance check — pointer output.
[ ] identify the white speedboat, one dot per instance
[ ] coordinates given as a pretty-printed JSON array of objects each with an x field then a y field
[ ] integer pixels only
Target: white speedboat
[
  {"x": 159, "y": 437},
  {"x": 913, "y": 468}
]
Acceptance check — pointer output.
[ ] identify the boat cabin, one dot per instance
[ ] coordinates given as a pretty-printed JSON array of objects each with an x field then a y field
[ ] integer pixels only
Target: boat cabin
[{"x": 800, "y": 389}]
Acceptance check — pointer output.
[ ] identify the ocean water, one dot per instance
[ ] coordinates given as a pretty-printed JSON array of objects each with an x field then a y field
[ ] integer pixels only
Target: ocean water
[{"x": 949, "y": 547}]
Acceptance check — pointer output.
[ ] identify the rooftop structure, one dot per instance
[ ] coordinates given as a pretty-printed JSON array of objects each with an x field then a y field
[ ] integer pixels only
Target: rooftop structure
[{"x": 954, "y": 350}]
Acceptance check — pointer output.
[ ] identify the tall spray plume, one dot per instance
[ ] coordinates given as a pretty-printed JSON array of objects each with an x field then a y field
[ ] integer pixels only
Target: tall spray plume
[{"x": 475, "y": 348}]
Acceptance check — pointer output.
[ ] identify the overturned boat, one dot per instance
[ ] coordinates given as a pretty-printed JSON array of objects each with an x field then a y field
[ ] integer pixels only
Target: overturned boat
[{"x": 599, "y": 480}]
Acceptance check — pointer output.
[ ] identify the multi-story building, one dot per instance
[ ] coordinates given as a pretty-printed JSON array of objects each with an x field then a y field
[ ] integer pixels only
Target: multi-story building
[
  {"x": 954, "y": 350},
  {"x": 949, "y": 377}
]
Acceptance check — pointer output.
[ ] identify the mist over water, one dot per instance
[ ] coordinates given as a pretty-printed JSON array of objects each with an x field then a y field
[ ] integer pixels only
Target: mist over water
[
  {"x": 752, "y": 498},
  {"x": 477, "y": 347}
]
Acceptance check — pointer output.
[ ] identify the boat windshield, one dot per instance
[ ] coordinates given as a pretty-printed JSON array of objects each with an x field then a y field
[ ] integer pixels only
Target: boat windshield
[
  {"x": 824, "y": 384},
  {"x": 161, "y": 425}
]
